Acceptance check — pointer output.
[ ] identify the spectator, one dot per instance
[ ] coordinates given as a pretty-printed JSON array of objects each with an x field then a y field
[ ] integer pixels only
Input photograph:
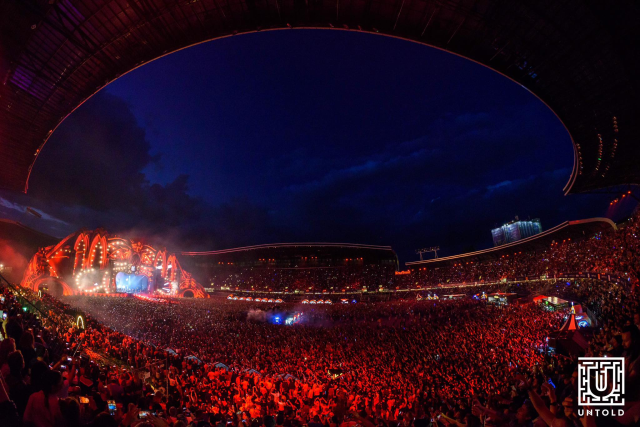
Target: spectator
[{"x": 43, "y": 409}]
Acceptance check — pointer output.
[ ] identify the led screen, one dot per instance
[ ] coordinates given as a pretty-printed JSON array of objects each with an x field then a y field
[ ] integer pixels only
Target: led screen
[{"x": 131, "y": 283}]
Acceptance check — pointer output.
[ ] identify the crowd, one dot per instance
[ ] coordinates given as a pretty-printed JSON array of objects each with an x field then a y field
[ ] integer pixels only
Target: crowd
[
  {"x": 404, "y": 362},
  {"x": 387, "y": 358},
  {"x": 206, "y": 362},
  {"x": 315, "y": 279}
]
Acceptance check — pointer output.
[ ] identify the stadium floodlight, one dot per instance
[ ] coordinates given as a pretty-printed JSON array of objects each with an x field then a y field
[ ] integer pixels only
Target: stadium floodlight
[{"x": 433, "y": 249}]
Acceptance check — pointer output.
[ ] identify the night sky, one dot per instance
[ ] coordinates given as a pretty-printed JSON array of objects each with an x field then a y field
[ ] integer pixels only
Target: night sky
[{"x": 306, "y": 135}]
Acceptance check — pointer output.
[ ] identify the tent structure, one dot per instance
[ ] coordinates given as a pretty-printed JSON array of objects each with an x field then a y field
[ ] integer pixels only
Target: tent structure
[
  {"x": 568, "y": 339},
  {"x": 570, "y": 324}
]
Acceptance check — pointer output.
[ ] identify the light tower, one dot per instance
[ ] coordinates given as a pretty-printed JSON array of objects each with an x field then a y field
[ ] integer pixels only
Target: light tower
[{"x": 433, "y": 249}]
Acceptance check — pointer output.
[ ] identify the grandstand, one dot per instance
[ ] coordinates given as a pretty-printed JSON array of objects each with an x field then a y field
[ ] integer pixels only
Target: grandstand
[
  {"x": 574, "y": 250},
  {"x": 567, "y": 231},
  {"x": 293, "y": 267}
]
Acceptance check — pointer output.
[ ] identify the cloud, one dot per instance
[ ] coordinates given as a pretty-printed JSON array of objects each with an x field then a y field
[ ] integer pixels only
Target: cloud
[
  {"x": 472, "y": 119},
  {"x": 95, "y": 159},
  {"x": 10, "y": 205},
  {"x": 91, "y": 174},
  {"x": 498, "y": 185},
  {"x": 475, "y": 149},
  {"x": 17, "y": 210}
]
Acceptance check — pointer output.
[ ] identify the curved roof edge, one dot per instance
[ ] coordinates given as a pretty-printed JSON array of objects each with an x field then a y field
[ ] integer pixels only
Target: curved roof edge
[
  {"x": 57, "y": 54},
  {"x": 541, "y": 239},
  {"x": 576, "y": 164},
  {"x": 596, "y": 219},
  {"x": 27, "y": 228},
  {"x": 288, "y": 245}
]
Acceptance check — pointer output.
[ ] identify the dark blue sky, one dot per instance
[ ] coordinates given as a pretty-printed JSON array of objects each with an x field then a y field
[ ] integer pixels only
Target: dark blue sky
[{"x": 307, "y": 135}]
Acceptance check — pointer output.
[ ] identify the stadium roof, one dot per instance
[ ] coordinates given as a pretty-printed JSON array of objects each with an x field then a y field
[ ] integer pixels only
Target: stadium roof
[
  {"x": 19, "y": 234},
  {"x": 567, "y": 230},
  {"x": 292, "y": 255},
  {"x": 290, "y": 246},
  {"x": 574, "y": 55}
]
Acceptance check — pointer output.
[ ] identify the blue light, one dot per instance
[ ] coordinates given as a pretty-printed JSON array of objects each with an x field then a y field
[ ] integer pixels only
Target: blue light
[{"x": 276, "y": 320}]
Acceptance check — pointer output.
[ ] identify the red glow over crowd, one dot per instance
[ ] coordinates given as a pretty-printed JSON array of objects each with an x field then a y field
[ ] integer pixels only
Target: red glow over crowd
[{"x": 398, "y": 362}]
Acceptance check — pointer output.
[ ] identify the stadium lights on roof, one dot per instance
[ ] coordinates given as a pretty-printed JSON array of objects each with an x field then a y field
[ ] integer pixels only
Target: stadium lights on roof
[
  {"x": 429, "y": 249},
  {"x": 433, "y": 249}
]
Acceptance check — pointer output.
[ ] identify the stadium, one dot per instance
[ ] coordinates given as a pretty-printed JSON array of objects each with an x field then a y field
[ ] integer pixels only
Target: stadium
[{"x": 104, "y": 330}]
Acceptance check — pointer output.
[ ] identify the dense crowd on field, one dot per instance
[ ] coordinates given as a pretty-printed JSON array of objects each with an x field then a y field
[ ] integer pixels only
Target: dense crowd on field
[
  {"x": 218, "y": 362},
  {"x": 610, "y": 252}
]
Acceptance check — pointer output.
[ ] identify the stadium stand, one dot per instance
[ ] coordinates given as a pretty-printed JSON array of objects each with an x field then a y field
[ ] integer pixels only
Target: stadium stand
[{"x": 295, "y": 267}]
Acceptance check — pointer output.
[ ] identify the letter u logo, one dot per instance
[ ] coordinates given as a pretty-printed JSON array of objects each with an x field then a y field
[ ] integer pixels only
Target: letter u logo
[{"x": 601, "y": 380}]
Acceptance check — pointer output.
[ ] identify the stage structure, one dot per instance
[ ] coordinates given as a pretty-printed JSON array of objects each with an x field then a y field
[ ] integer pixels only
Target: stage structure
[{"x": 94, "y": 262}]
